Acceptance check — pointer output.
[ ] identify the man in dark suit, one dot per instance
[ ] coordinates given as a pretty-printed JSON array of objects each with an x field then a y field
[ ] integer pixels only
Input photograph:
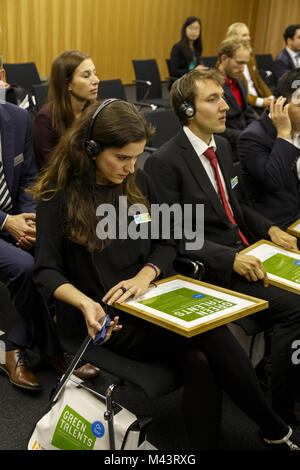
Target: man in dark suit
[
  {"x": 234, "y": 53},
  {"x": 269, "y": 151},
  {"x": 186, "y": 170},
  {"x": 17, "y": 240},
  {"x": 289, "y": 57}
]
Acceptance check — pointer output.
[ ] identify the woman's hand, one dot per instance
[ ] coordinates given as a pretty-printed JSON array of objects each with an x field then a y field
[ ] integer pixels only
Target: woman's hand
[
  {"x": 93, "y": 314},
  {"x": 134, "y": 286}
]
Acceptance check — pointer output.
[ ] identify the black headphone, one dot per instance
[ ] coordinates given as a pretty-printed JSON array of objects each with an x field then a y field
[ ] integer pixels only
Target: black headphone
[
  {"x": 92, "y": 147},
  {"x": 187, "y": 108}
]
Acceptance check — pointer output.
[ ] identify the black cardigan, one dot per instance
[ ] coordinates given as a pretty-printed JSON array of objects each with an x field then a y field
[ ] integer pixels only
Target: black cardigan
[{"x": 59, "y": 261}]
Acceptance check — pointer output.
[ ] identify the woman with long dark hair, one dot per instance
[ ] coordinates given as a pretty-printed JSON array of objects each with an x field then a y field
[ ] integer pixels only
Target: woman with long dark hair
[
  {"x": 73, "y": 86},
  {"x": 186, "y": 54},
  {"x": 87, "y": 269}
]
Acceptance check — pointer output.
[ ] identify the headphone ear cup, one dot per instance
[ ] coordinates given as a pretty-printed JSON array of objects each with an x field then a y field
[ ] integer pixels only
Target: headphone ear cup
[
  {"x": 188, "y": 109},
  {"x": 92, "y": 148}
]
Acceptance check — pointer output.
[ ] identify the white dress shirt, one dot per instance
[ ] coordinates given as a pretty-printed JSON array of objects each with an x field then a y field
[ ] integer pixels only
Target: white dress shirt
[
  {"x": 294, "y": 56},
  {"x": 200, "y": 147}
]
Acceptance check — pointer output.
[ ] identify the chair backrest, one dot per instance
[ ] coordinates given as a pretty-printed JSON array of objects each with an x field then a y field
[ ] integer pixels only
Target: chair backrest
[
  {"x": 41, "y": 94},
  {"x": 111, "y": 89},
  {"x": 147, "y": 70},
  {"x": 264, "y": 61},
  {"x": 166, "y": 125},
  {"x": 265, "y": 65},
  {"x": 209, "y": 61},
  {"x": 22, "y": 74}
]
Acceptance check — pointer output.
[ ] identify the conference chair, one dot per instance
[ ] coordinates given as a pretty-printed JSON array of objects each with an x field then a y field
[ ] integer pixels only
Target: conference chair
[
  {"x": 22, "y": 74},
  {"x": 209, "y": 61},
  {"x": 148, "y": 83},
  {"x": 265, "y": 65},
  {"x": 115, "y": 89},
  {"x": 41, "y": 94},
  {"x": 166, "y": 126}
]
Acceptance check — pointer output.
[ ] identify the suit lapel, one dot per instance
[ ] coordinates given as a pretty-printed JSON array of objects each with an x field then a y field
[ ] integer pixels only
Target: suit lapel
[
  {"x": 7, "y": 146},
  {"x": 199, "y": 174},
  {"x": 290, "y": 60}
]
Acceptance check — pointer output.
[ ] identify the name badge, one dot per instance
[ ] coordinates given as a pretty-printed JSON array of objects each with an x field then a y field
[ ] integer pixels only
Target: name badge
[
  {"x": 142, "y": 218},
  {"x": 234, "y": 181},
  {"x": 18, "y": 159}
]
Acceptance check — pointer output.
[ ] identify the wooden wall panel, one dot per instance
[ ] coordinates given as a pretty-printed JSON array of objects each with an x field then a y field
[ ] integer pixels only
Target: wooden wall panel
[
  {"x": 272, "y": 18},
  {"x": 113, "y": 32}
]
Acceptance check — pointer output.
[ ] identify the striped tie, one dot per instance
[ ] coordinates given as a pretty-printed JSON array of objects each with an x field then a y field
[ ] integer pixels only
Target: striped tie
[{"x": 5, "y": 199}]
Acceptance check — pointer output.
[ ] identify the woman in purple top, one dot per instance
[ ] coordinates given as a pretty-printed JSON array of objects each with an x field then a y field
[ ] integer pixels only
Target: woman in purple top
[{"x": 73, "y": 86}]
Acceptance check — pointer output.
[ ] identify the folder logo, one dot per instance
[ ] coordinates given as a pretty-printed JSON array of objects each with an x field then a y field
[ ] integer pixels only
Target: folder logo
[{"x": 73, "y": 432}]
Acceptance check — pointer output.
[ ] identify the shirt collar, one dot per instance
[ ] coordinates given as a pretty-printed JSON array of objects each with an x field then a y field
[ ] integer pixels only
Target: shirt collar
[
  {"x": 292, "y": 53},
  {"x": 198, "y": 144}
]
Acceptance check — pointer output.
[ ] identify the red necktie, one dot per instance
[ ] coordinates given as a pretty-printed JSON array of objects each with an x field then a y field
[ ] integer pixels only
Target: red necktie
[{"x": 211, "y": 156}]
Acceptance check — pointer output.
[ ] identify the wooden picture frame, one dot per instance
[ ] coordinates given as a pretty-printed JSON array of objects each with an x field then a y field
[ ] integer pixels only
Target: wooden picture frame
[
  {"x": 282, "y": 260},
  {"x": 294, "y": 229},
  {"x": 199, "y": 306}
]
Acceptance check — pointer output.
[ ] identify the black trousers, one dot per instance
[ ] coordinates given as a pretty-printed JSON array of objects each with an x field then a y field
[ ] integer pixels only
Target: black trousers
[
  {"x": 209, "y": 363},
  {"x": 283, "y": 318}
]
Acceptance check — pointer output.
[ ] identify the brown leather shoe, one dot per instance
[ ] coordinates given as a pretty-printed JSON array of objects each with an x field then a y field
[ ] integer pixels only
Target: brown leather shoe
[
  {"x": 16, "y": 367},
  {"x": 85, "y": 372}
]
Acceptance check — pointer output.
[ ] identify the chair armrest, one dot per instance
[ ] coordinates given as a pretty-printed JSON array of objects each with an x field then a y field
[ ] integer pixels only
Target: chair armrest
[
  {"x": 190, "y": 268},
  {"x": 145, "y": 82},
  {"x": 146, "y": 105},
  {"x": 148, "y": 84}
]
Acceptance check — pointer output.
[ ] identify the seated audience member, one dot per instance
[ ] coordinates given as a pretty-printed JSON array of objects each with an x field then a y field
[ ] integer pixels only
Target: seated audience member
[
  {"x": 3, "y": 83},
  {"x": 289, "y": 57},
  {"x": 269, "y": 154},
  {"x": 186, "y": 54},
  {"x": 233, "y": 55},
  {"x": 95, "y": 164},
  {"x": 73, "y": 86},
  {"x": 17, "y": 239},
  {"x": 259, "y": 94},
  {"x": 195, "y": 167}
]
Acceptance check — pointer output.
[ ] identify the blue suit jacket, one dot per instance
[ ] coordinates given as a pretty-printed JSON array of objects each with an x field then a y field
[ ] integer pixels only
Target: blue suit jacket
[
  {"x": 269, "y": 172},
  {"x": 283, "y": 63},
  {"x": 17, "y": 156}
]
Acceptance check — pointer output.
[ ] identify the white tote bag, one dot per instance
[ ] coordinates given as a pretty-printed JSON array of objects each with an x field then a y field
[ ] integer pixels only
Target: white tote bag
[{"x": 78, "y": 418}]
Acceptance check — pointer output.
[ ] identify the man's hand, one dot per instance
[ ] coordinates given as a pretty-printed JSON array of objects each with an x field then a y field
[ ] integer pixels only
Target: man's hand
[
  {"x": 251, "y": 268},
  {"x": 280, "y": 118},
  {"x": 22, "y": 228},
  {"x": 267, "y": 101},
  {"x": 281, "y": 238}
]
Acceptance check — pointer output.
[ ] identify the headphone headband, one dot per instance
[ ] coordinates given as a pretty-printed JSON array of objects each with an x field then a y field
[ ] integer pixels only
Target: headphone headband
[
  {"x": 187, "y": 108},
  {"x": 92, "y": 147}
]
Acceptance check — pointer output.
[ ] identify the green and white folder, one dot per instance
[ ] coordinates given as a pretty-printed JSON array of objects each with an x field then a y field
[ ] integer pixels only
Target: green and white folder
[
  {"x": 282, "y": 266},
  {"x": 190, "y": 307},
  {"x": 294, "y": 229}
]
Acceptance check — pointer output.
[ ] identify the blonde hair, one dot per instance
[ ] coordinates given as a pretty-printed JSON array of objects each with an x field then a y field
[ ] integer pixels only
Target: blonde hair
[{"x": 233, "y": 29}]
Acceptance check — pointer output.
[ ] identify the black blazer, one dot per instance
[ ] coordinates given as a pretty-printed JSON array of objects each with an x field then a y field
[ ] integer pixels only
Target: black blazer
[
  {"x": 237, "y": 118},
  {"x": 180, "y": 177},
  {"x": 178, "y": 63},
  {"x": 282, "y": 64},
  {"x": 269, "y": 172}
]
